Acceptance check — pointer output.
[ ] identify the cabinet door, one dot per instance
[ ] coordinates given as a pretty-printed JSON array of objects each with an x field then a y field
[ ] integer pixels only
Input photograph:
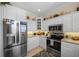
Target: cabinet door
[
  {"x": 48, "y": 23},
  {"x": 58, "y": 20},
  {"x": 76, "y": 22},
  {"x": 31, "y": 25},
  {"x": 32, "y": 43},
  {"x": 66, "y": 20},
  {"x": 67, "y": 23},
  {"x": 76, "y": 51},
  {"x": 67, "y": 50},
  {"x": 43, "y": 42},
  {"x": 43, "y": 25}
]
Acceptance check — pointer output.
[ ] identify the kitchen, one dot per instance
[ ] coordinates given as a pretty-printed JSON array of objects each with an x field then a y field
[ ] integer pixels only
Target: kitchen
[{"x": 46, "y": 32}]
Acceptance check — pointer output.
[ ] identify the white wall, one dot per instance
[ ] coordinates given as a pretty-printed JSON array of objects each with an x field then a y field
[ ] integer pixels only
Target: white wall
[
  {"x": 1, "y": 33},
  {"x": 1, "y": 38}
]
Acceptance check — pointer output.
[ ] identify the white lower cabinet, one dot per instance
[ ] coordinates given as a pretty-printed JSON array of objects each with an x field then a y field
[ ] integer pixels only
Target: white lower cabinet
[
  {"x": 42, "y": 42},
  {"x": 32, "y": 43},
  {"x": 76, "y": 51},
  {"x": 69, "y": 50},
  {"x": 35, "y": 42},
  {"x": 76, "y": 22}
]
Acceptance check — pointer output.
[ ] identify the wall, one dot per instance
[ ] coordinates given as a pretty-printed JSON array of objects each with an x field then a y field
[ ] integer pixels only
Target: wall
[
  {"x": 1, "y": 39},
  {"x": 1, "y": 33},
  {"x": 72, "y": 34}
]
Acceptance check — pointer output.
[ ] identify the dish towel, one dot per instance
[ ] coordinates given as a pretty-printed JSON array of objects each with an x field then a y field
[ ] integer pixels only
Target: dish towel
[{"x": 52, "y": 42}]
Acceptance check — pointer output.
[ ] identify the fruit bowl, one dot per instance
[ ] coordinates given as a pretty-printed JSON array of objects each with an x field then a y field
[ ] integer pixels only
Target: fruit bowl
[{"x": 75, "y": 38}]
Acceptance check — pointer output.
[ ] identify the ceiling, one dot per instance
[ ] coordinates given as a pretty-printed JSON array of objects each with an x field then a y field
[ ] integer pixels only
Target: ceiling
[{"x": 44, "y": 7}]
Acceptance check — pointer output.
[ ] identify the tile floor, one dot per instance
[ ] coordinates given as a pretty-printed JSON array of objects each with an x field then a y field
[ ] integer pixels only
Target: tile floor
[
  {"x": 34, "y": 51},
  {"x": 39, "y": 52}
]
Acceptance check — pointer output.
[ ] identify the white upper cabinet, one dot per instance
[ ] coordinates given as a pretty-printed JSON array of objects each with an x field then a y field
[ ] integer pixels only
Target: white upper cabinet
[
  {"x": 66, "y": 20},
  {"x": 48, "y": 23},
  {"x": 43, "y": 25},
  {"x": 31, "y": 25},
  {"x": 76, "y": 22},
  {"x": 57, "y": 20},
  {"x": 67, "y": 23},
  {"x": 70, "y": 22}
]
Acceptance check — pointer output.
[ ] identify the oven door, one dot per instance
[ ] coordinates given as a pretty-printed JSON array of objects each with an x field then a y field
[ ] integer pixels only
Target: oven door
[
  {"x": 57, "y": 46},
  {"x": 54, "y": 44}
]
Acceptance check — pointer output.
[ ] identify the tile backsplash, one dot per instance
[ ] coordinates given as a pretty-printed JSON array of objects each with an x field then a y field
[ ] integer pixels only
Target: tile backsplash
[
  {"x": 31, "y": 33},
  {"x": 71, "y": 34}
]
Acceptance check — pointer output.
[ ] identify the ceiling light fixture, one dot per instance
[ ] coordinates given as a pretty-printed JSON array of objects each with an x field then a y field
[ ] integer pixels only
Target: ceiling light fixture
[{"x": 38, "y": 10}]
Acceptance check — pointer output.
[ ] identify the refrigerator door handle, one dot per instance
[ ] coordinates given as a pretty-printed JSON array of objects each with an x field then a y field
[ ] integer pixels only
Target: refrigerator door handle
[{"x": 17, "y": 33}]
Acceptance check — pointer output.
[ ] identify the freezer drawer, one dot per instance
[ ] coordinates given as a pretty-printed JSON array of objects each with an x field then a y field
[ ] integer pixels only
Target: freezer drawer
[
  {"x": 8, "y": 52},
  {"x": 17, "y": 51},
  {"x": 24, "y": 50}
]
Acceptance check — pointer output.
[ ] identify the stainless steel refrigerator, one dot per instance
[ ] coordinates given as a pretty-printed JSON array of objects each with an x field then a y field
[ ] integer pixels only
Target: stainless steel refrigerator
[{"x": 14, "y": 38}]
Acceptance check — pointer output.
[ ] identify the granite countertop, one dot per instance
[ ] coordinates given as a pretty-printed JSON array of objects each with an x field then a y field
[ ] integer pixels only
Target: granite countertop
[
  {"x": 31, "y": 36},
  {"x": 70, "y": 41}
]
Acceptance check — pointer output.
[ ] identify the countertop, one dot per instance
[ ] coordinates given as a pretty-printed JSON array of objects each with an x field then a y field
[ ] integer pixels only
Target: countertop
[
  {"x": 68, "y": 40},
  {"x": 43, "y": 36}
]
